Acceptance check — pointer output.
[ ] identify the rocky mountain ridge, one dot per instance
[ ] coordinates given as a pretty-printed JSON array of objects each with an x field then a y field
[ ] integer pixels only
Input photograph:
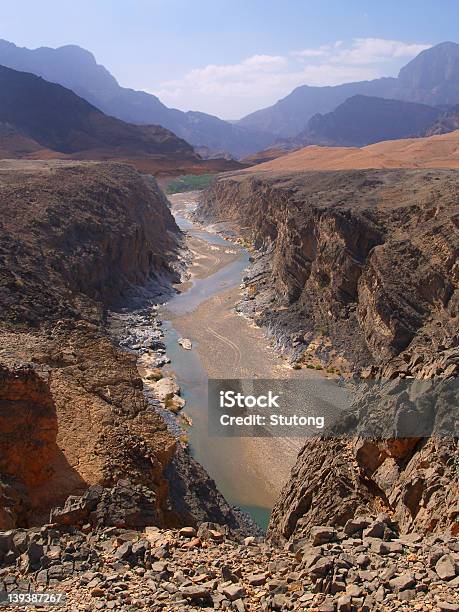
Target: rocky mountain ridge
[
  {"x": 76, "y": 69},
  {"x": 363, "y": 120},
  {"x": 59, "y": 124},
  {"x": 430, "y": 78}
]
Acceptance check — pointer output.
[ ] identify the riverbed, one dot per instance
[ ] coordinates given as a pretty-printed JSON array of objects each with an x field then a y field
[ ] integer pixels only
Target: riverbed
[{"x": 250, "y": 472}]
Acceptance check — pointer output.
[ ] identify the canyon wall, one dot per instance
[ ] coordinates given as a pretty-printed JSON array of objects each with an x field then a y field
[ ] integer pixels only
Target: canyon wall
[
  {"x": 358, "y": 271},
  {"x": 76, "y": 238},
  {"x": 367, "y": 258}
]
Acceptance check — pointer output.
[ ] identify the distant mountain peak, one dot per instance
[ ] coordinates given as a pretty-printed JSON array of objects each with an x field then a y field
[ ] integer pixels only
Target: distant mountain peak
[{"x": 435, "y": 66}]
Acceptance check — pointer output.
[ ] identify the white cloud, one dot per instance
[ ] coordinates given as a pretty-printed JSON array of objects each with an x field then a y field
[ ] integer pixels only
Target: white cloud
[
  {"x": 377, "y": 50},
  {"x": 317, "y": 52},
  {"x": 232, "y": 90}
]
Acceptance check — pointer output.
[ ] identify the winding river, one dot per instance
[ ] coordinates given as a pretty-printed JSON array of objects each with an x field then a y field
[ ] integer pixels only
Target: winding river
[
  {"x": 249, "y": 471},
  {"x": 224, "y": 459}
]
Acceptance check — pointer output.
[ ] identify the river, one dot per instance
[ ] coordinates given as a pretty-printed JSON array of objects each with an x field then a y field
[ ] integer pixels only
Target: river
[{"x": 249, "y": 472}]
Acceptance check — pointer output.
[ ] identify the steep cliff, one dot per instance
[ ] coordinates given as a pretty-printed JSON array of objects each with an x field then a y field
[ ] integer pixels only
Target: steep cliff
[
  {"x": 359, "y": 270},
  {"x": 369, "y": 258},
  {"x": 75, "y": 238}
]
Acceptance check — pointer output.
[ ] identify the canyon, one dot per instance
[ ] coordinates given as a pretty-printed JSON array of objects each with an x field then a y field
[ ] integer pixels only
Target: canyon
[
  {"x": 113, "y": 508},
  {"x": 329, "y": 255}
]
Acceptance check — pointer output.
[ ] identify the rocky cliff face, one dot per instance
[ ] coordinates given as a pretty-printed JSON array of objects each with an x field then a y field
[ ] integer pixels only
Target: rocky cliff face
[
  {"x": 358, "y": 270},
  {"x": 75, "y": 236},
  {"x": 74, "y": 239},
  {"x": 369, "y": 258}
]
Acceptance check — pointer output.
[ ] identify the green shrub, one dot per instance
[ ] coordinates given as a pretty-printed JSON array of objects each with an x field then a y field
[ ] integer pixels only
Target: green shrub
[{"x": 189, "y": 182}]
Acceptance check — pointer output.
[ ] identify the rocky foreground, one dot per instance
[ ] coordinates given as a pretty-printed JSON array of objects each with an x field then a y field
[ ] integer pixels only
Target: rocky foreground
[{"x": 363, "y": 567}]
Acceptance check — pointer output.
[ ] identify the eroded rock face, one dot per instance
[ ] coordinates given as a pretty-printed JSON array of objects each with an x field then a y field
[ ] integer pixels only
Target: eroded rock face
[
  {"x": 28, "y": 425},
  {"x": 367, "y": 257},
  {"x": 415, "y": 480},
  {"x": 75, "y": 238}
]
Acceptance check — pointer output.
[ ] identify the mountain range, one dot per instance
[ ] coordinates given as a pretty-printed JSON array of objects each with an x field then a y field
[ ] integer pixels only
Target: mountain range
[
  {"x": 431, "y": 78},
  {"x": 77, "y": 69},
  {"x": 363, "y": 120},
  {"x": 39, "y": 119},
  {"x": 418, "y": 102}
]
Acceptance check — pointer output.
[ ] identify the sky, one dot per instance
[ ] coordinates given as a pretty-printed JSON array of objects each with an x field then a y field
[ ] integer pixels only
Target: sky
[{"x": 230, "y": 58}]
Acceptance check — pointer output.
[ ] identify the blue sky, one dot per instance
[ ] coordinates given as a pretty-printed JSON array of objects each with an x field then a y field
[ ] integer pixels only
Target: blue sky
[{"x": 232, "y": 57}]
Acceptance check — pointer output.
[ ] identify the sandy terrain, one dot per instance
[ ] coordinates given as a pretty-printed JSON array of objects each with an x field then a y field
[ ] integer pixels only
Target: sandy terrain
[{"x": 433, "y": 152}]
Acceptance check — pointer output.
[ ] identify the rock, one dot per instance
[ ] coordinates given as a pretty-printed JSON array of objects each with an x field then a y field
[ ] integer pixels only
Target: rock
[
  {"x": 344, "y": 604},
  {"x": 175, "y": 403},
  {"x": 166, "y": 388},
  {"x": 405, "y": 581},
  {"x": 279, "y": 602},
  {"x": 326, "y": 606},
  {"x": 234, "y": 591},
  {"x": 187, "y": 532},
  {"x": 124, "y": 505},
  {"x": 159, "y": 566},
  {"x": 124, "y": 551},
  {"x": 154, "y": 374},
  {"x": 363, "y": 560},
  {"x": 194, "y": 543},
  {"x": 33, "y": 556},
  {"x": 185, "y": 343},
  {"x": 207, "y": 530},
  {"x": 407, "y": 595},
  {"x": 228, "y": 575},
  {"x": 353, "y": 590},
  {"x": 375, "y": 530},
  {"x": 321, "y": 567},
  {"x": 249, "y": 541},
  {"x": 256, "y": 579},
  {"x": 140, "y": 548},
  {"x": 323, "y": 535},
  {"x": 194, "y": 592},
  {"x": 391, "y": 548},
  {"x": 446, "y": 606},
  {"x": 77, "y": 509},
  {"x": 239, "y": 605},
  {"x": 97, "y": 592},
  {"x": 446, "y": 567},
  {"x": 356, "y": 525},
  {"x": 216, "y": 536}
]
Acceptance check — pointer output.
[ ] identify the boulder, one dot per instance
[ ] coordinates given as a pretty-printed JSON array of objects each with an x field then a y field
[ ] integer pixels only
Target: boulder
[
  {"x": 166, "y": 388},
  {"x": 185, "y": 343}
]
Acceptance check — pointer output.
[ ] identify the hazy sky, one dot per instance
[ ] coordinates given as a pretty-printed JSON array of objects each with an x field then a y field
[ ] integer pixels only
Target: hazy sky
[{"x": 232, "y": 57}]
